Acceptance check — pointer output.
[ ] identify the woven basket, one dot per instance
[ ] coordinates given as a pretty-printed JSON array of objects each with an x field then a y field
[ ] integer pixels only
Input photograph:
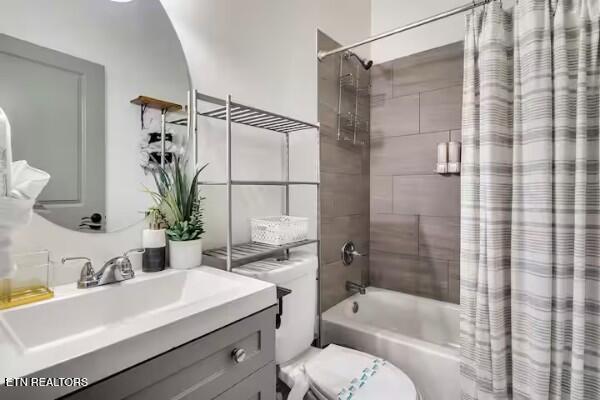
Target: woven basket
[{"x": 279, "y": 230}]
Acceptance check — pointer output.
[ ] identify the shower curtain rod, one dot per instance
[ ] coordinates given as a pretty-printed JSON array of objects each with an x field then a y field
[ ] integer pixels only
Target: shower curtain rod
[{"x": 469, "y": 6}]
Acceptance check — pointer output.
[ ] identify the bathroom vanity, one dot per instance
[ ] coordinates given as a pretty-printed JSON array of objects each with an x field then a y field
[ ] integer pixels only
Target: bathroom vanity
[
  {"x": 237, "y": 359},
  {"x": 195, "y": 334}
]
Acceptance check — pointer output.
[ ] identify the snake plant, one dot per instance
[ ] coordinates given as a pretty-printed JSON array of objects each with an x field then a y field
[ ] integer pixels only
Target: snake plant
[{"x": 178, "y": 199}]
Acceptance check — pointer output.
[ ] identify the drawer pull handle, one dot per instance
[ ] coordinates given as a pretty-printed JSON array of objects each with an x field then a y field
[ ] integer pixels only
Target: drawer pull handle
[{"x": 238, "y": 355}]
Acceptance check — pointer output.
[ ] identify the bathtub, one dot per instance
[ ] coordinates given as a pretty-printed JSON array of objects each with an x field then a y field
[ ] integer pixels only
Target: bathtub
[{"x": 418, "y": 335}]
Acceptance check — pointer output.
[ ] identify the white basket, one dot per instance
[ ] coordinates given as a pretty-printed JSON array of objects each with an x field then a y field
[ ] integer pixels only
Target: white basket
[{"x": 279, "y": 230}]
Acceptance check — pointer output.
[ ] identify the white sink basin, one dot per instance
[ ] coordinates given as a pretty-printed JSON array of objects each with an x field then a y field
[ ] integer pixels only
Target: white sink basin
[
  {"x": 89, "y": 311},
  {"x": 99, "y": 331}
]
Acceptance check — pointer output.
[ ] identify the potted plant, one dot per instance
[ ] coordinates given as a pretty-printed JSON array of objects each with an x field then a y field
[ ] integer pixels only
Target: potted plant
[{"x": 179, "y": 201}]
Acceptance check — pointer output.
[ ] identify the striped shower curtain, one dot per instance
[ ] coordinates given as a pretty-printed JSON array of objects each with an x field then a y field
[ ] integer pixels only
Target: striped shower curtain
[{"x": 530, "y": 217}]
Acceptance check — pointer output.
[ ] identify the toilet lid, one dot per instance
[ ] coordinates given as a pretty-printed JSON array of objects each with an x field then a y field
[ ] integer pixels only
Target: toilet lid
[{"x": 341, "y": 373}]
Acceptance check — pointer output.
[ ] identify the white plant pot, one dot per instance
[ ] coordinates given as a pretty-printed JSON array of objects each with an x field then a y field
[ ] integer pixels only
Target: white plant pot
[{"x": 186, "y": 254}]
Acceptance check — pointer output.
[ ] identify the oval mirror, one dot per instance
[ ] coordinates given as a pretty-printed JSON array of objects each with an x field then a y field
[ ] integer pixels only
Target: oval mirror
[{"x": 69, "y": 70}]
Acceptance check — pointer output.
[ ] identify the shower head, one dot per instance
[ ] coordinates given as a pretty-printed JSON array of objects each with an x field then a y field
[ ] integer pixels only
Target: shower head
[{"x": 367, "y": 64}]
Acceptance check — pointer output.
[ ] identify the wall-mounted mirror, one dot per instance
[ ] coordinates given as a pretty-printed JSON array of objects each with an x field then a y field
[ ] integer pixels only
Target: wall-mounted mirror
[{"x": 68, "y": 71}]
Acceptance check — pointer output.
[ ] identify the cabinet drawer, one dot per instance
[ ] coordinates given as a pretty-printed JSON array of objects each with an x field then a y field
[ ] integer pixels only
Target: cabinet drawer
[
  {"x": 203, "y": 368},
  {"x": 258, "y": 386}
]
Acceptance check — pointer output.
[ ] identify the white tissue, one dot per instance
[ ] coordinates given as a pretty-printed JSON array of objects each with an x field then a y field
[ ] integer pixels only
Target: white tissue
[
  {"x": 16, "y": 211},
  {"x": 27, "y": 182},
  {"x": 5, "y": 155}
]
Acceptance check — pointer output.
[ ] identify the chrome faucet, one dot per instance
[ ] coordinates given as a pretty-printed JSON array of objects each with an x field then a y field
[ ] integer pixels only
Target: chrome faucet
[
  {"x": 116, "y": 269},
  {"x": 356, "y": 287}
]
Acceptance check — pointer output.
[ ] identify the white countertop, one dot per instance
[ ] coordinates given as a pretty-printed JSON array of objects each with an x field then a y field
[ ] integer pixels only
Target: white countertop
[{"x": 205, "y": 300}]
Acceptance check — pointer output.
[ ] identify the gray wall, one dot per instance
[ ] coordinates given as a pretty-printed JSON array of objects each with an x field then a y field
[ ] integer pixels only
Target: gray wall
[
  {"x": 344, "y": 184},
  {"x": 415, "y": 235}
]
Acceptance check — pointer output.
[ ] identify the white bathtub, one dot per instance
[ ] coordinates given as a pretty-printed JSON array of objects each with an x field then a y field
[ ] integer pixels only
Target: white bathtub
[{"x": 418, "y": 335}]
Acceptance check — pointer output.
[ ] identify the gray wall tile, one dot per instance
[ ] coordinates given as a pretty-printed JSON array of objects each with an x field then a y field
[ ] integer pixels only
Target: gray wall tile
[
  {"x": 328, "y": 118},
  {"x": 415, "y": 245},
  {"x": 366, "y": 161},
  {"x": 341, "y": 195},
  {"x": 328, "y": 71},
  {"x": 441, "y": 109},
  {"x": 454, "y": 282},
  {"x": 395, "y": 116},
  {"x": 392, "y": 271},
  {"x": 431, "y": 195},
  {"x": 456, "y": 135},
  {"x": 345, "y": 175},
  {"x": 381, "y": 82},
  {"x": 410, "y": 274},
  {"x": 338, "y": 230},
  {"x": 392, "y": 233},
  {"x": 439, "y": 237},
  {"x": 336, "y": 157},
  {"x": 406, "y": 155},
  {"x": 432, "y": 278},
  {"x": 333, "y": 286},
  {"x": 327, "y": 93},
  {"x": 430, "y": 70},
  {"x": 382, "y": 190}
]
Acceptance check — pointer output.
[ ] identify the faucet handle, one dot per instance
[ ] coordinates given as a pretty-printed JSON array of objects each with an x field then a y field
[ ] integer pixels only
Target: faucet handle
[
  {"x": 87, "y": 276},
  {"x": 126, "y": 266},
  {"x": 349, "y": 252},
  {"x": 134, "y": 251},
  {"x": 123, "y": 263}
]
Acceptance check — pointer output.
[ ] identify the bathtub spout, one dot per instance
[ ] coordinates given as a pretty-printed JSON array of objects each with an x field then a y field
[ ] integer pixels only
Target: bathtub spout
[{"x": 355, "y": 287}]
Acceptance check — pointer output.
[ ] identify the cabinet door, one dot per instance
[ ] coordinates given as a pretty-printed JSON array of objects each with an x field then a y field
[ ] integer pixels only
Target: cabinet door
[
  {"x": 258, "y": 386},
  {"x": 201, "y": 369},
  {"x": 55, "y": 103}
]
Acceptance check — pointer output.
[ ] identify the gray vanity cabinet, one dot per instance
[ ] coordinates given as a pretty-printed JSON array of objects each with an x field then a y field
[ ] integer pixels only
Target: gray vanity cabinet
[
  {"x": 258, "y": 386},
  {"x": 235, "y": 362}
]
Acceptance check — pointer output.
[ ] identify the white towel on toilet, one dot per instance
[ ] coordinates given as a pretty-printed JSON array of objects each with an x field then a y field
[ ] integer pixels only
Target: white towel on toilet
[{"x": 341, "y": 373}]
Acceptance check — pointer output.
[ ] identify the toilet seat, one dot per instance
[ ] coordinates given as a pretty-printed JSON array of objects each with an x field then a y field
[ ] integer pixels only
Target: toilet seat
[{"x": 339, "y": 373}]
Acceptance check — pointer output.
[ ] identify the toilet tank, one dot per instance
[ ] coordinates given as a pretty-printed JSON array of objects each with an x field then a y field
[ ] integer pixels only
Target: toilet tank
[{"x": 299, "y": 274}]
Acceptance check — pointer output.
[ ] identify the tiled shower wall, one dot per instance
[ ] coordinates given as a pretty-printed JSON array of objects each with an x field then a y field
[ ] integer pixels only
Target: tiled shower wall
[
  {"x": 344, "y": 182},
  {"x": 415, "y": 226}
]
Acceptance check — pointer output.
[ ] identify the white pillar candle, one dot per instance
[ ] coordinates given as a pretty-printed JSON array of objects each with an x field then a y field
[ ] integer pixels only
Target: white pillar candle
[
  {"x": 454, "y": 152},
  {"x": 442, "y": 152},
  {"x": 454, "y": 157},
  {"x": 442, "y": 158}
]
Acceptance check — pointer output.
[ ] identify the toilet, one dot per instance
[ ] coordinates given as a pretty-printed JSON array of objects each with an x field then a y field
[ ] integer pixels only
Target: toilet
[{"x": 332, "y": 373}]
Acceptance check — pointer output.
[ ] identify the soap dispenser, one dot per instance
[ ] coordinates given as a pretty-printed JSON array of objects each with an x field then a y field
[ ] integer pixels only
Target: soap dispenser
[{"x": 155, "y": 244}]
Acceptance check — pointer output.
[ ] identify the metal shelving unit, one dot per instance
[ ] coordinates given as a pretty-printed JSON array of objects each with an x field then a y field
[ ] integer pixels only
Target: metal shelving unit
[
  {"x": 231, "y": 112},
  {"x": 249, "y": 252}
]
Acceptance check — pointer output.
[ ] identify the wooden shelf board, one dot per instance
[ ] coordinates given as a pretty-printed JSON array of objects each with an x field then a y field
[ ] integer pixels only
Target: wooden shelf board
[{"x": 156, "y": 103}]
